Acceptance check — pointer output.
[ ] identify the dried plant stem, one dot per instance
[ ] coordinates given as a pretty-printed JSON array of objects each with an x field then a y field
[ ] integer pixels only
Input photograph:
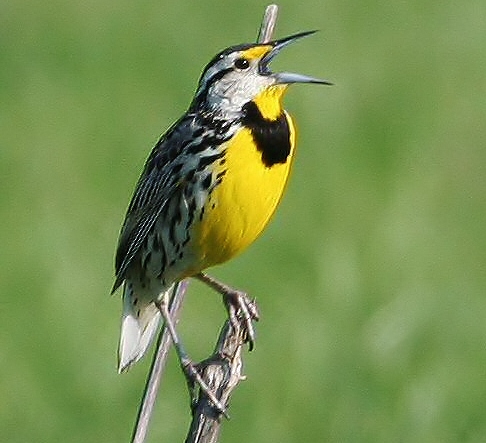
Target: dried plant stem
[
  {"x": 157, "y": 368},
  {"x": 268, "y": 24},
  {"x": 222, "y": 371}
]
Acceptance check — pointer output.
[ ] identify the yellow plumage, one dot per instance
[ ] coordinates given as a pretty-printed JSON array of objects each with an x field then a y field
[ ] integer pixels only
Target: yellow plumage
[{"x": 239, "y": 209}]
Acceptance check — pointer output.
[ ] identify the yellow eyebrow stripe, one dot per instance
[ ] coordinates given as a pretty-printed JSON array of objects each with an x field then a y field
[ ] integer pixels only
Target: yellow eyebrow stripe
[{"x": 256, "y": 52}]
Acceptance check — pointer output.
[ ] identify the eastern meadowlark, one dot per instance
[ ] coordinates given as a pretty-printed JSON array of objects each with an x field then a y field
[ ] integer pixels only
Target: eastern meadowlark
[{"x": 209, "y": 186}]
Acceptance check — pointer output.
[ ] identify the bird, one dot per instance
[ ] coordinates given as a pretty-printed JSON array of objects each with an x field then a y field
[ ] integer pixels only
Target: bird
[{"x": 208, "y": 188}]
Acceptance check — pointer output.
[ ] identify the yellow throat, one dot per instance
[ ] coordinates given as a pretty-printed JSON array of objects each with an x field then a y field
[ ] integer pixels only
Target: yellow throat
[{"x": 257, "y": 169}]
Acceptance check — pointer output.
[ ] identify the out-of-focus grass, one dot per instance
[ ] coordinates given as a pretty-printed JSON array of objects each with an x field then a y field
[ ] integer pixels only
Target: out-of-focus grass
[{"x": 371, "y": 278}]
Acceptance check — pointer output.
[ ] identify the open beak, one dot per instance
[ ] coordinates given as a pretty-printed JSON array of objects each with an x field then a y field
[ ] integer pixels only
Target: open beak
[{"x": 287, "y": 77}]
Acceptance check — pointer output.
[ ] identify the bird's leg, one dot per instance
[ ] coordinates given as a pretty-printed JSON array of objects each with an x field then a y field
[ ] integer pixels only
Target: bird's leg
[
  {"x": 239, "y": 305},
  {"x": 187, "y": 365}
]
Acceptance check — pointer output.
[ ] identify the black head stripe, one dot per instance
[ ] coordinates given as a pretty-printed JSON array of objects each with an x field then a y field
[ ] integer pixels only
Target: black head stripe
[
  {"x": 201, "y": 95},
  {"x": 224, "y": 53}
]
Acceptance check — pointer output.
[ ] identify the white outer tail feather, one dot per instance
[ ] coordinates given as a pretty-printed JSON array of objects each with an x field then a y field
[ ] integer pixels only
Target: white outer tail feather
[{"x": 137, "y": 331}]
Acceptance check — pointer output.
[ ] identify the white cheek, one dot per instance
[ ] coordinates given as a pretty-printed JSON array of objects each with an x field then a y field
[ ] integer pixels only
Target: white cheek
[{"x": 230, "y": 95}]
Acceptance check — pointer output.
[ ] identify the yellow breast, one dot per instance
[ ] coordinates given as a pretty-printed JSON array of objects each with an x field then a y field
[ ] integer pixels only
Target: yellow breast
[{"x": 240, "y": 207}]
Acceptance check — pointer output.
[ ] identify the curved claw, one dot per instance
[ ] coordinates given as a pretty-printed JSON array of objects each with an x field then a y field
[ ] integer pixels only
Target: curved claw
[{"x": 241, "y": 309}]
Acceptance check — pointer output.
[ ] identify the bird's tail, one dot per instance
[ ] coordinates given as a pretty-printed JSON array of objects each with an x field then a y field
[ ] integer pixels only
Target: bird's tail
[{"x": 140, "y": 322}]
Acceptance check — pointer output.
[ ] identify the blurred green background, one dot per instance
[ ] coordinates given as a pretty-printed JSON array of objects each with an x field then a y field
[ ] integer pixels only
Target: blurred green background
[{"x": 371, "y": 279}]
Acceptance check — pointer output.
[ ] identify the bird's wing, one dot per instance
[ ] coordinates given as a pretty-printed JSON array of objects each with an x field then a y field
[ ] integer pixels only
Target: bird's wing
[{"x": 154, "y": 189}]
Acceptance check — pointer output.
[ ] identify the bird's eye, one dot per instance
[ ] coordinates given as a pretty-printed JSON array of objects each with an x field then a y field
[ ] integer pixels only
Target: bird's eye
[{"x": 242, "y": 63}]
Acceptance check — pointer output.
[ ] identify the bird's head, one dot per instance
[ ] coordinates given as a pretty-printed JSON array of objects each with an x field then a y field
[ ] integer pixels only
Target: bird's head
[{"x": 241, "y": 73}]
